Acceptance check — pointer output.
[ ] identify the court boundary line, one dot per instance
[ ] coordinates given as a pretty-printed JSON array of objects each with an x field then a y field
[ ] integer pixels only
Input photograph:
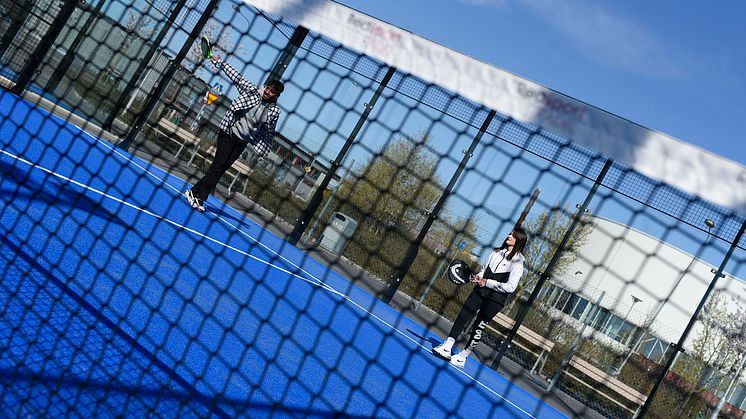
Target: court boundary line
[
  {"x": 319, "y": 282},
  {"x": 314, "y": 281}
]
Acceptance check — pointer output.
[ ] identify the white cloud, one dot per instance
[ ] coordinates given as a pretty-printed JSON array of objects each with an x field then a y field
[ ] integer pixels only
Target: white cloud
[{"x": 613, "y": 41}]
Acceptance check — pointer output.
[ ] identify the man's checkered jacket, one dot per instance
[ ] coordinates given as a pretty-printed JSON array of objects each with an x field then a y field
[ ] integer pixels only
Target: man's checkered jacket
[{"x": 249, "y": 96}]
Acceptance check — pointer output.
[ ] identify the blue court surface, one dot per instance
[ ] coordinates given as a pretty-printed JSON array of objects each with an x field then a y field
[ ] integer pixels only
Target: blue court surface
[{"x": 117, "y": 299}]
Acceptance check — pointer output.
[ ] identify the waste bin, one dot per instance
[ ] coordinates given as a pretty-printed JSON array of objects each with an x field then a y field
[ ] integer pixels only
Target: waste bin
[{"x": 337, "y": 233}]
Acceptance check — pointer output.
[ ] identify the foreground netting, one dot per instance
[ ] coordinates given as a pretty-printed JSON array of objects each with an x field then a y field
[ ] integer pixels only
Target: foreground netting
[{"x": 314, "y": 284}]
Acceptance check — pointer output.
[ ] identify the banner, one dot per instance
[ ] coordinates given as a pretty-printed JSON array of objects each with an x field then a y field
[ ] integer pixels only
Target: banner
[{"x": 650, "y": 153}]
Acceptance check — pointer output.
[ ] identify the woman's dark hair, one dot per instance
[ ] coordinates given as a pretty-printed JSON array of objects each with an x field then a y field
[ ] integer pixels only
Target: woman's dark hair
[{"x": 520, "y": 242}]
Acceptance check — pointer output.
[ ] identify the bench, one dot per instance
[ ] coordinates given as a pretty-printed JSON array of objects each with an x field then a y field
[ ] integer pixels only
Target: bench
[
  {"x": 174, "y": 132},
  {"x": 538, "y": 345},
  {"x": 610, "y": 382}
]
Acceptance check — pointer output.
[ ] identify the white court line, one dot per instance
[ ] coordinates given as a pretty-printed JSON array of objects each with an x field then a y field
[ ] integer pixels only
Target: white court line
[
  {"x": 313, "y": 281},
  {"x": 152, "y": 214},
  {"x": 318, "y": 281}
]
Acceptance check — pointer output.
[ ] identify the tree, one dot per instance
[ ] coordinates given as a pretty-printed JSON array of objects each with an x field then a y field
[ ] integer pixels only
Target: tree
[
  {"x": 712, "y": 342},
  {"x": 136, "y": 25},
  {"x": 447, "y": 231},
  {"x": 717, "y": 347},
  {"x": 220, "y": 39},
  {"x": 545, "y": 235},
  {"x": 399, "y": 183},
  {"x": 735, "y": 332}
]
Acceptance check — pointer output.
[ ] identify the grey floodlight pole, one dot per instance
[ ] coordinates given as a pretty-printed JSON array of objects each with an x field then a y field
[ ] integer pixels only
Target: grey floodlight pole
[
  {"x": 710, "y": 225},
  {"x": 679, "y": 347}
]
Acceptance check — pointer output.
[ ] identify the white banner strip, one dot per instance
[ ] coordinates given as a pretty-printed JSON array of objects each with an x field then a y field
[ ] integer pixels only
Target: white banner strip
[{"x": 651, "y": 153}]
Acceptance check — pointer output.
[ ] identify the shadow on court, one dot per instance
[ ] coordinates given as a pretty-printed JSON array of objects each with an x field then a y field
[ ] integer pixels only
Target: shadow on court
[
  {"x": 159, "y": 396},
  {"x": 24, "y": 190},
  {"x": 229, "y": 215},
  {"x": 432, "y": 340}
]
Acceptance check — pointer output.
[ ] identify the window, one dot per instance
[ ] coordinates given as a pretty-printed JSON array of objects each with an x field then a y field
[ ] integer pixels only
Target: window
[
  {"x": 625, "y": 331},
  {"x": 545, "y": 291},
  {"x": 571, "y": 303},
  {"x": 562, "y": 299},
  {"x": 579, "y": 308},
  {"x": 600, "y": 319},
  {"x": 654, "y": 349}
]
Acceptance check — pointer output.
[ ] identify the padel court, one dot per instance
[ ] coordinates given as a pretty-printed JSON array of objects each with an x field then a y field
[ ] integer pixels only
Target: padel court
[{"x": 118, "y": 299}]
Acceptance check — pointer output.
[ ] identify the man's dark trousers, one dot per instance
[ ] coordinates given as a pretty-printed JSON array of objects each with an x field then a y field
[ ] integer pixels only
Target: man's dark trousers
[{"x": 228, "y": 150}]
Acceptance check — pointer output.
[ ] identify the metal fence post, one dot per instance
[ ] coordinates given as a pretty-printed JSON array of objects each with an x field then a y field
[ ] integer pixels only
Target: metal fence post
[
  {"x": 296, "y": 40},
  {"x": 550, "y": 266},
  {"x": 142, "y": 118},
  {"x": 302, "y": 222},
  {"x": 679, "y": 347},
  {"x": 586, "y": 320},
  {"x": 130, "y": 88},
  {"x": 329, "y": 202},
  {"x": 414, "y": 247},
  {"x": 16, "y": 24},
  {"x": 45, "y": 45},
  {"x": 69, "y": 56}
]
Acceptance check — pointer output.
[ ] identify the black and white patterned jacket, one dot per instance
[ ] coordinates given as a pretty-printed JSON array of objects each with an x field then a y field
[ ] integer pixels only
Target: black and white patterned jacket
[{"x": 248, "y": 97}]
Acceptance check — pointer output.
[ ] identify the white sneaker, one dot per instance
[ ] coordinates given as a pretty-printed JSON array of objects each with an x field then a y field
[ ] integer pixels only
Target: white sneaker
[
  {"x": 194, "y": 202},
  {"x": 191, "y": 198},
  {"x": 441, "y": 352},
  {"x": 458, "y": 360}
]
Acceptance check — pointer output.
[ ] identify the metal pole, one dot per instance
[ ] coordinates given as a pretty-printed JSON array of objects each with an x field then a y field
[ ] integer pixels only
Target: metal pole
[
  {"x": 329, "y": 201},
  {"x": 710, "y": 224},
  {"x": 679, "y": 347},
  {"x": 414, "y": 247},
  {"x": 296, "y": 40},
  {"x": 635, "y": 300},
  {"x": 544, "y": 276},
  {"x": 45, "y": 45},
  {"x": 143, "y": 65},
  {"x": 302, "y": 222},
  {"x": 197, "y": 117},
  {"x": 524, "y": 214},
  {"x": 571, "y": 351},
  {"x": 438, "y": 270},
  {"x": 139, "y": 88},
  {"x": 150, "y": 104},
  {"x": 69, "y": 56},
  {"x": 18, "y": 17}
]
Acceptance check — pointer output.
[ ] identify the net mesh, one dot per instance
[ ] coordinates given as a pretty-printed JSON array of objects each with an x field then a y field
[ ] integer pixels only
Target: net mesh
[{"x": 119, "y": 298}]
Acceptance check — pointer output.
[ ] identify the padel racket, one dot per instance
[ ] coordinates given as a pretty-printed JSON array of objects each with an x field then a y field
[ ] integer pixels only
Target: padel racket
[{"x": 206, "y": 47}]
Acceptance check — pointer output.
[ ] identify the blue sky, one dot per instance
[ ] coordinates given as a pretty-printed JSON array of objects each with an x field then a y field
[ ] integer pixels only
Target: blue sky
[{"x": 671, "y": 66}]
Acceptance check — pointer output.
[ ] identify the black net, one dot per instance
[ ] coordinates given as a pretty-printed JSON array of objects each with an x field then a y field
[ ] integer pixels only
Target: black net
[{"x": 122, "y": 296}]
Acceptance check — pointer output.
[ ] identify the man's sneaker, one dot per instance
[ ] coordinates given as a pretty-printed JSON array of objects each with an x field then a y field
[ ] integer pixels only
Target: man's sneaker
[
  {"x": 441, "y": 352},
  {"x": 458, "y": 360},
  {"x": 193, "y": 201}
]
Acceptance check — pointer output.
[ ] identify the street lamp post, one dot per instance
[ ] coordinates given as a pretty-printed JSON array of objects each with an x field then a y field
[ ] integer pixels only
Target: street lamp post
[
  {"x": 635, "y": 300},
  {"x": 710, "y": 225}
]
